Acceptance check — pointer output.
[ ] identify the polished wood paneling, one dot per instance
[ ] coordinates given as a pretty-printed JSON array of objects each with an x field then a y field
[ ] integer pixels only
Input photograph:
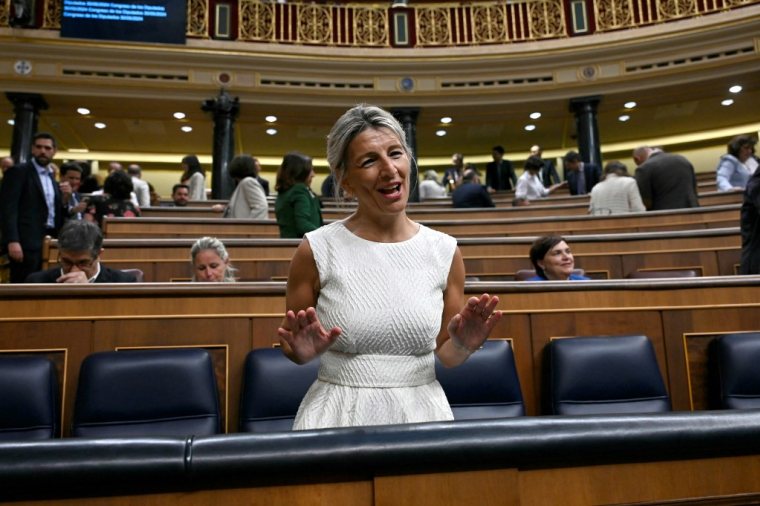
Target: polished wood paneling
[
  {"x": 454, "y": 224},
  {"x": 494, "y": 487},
  {"x": 357, "y": 493},
  {"x": 642, "y": 483},
  {"x": 604, "y": 257}
]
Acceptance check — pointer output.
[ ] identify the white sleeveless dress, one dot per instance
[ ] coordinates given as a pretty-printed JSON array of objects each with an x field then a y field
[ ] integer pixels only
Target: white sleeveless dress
[{"x": 388, "y": 299}]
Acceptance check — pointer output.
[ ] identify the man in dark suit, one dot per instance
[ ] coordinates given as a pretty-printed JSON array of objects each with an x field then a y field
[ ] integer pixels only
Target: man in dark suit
[
  {"x": 548, "y": 173},
  {"x": 470, "y": 192},
  {"x": 30, "y": 208},
  {"x": 581, "y": 177},
  {"x": 79, "y": 246},
  {"x": 71, "y": 179},
  {"x": 666, "y": 181},
  {"x": 452, "y": 176},
  {"x": 500, "y": 174}
]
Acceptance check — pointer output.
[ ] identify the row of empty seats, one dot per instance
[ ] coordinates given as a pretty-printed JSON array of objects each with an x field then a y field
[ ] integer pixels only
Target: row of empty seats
[{"x": 173, "y": 392}]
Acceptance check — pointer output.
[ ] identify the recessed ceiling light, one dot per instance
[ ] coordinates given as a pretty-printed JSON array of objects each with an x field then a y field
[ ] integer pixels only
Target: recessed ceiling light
[
  {"x": 187, "y": 128},
  {"x": 440, "y": 133},
  {"x": 271, "y": 131},
  {"x": 629, "y": 105},
  {"x": 728, "y": 101},
  {"x": 79, "y": 150},
  {"x": 530, "y": 128},
  {"x": 624, "y": 117},
  {"x": 11, "y": 122},
  {"x": 446, "y": 120},
  {"x": 535, "y": 115},
  {"x": 83, "y": 111},
  {"x": 179, "y": 115},
  {"x": 735, "y": 89},
  {"x": 100, "y": 125},
  {"x": 271, "y": 119}
]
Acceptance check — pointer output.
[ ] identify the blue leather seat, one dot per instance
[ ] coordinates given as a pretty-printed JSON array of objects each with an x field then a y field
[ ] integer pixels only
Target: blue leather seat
[
  {"x": 603, "y": 375},
  {"x": 485, "y": 386},
  {"x": 273, "y": 388},
  {"x": 168, "y": 392},
  {"x": 735, "y": 374},
  {"x": 28, "y": 399}
]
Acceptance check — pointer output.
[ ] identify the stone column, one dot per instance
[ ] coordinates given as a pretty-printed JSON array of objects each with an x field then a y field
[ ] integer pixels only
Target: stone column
[
  {"x": 26, "y": 113},
  {"x": 407, "y": 116},
  {"x": 224, "y": 110},
  {"x": 585, "y": 109}
]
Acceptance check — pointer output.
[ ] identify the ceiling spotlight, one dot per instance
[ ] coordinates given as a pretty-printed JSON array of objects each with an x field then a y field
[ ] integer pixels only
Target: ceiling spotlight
[
  {"x": 735, "y": 89},
  {"x": 271, "y": 131},
  {"x": 11, "y": 122},
  {"x": 530, "y": 128},
  {"x": 446, "y": 120},
  {"x": 100, "y": 126},
  {"x": 728, "y": 101},
  {"x": 179, "y": 115},
  {"x": 535, "y": 115},
  {"x": 187, "y": 129},
  {"x": 271, "y": 119},
  {"x": 629, "y": 105},
  {"x": 83, "y": 111},
  {"x": 624, "y": 117},
  {"x": 440, "y": 133}
]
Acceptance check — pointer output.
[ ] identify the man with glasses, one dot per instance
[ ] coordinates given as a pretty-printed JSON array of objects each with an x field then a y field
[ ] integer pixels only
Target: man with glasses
[
  {"x": 79, "y": 246},
  {"x": 30, "y": 208}
]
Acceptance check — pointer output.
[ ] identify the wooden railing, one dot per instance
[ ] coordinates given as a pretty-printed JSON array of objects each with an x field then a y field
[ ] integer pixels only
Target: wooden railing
[{"x": 427, "y": 24}]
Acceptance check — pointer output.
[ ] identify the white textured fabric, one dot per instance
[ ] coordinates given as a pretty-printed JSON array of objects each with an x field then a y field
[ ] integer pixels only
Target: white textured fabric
[
  {"x": 616, "y": 195},
  {"x": 530, "y": 187},
  {"x": 388, "y": 299}
]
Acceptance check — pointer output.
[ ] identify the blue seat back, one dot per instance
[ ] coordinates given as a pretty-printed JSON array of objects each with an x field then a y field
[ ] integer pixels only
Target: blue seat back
[
  {"x": 28, "y": 398},
  {"x": 485, "y": 386},
  {"x": 273, "y": 388},
  {"x": 169, "y": 392},
  {"x": 735, "y": 370},
  {"x": 603, "y": 375}
]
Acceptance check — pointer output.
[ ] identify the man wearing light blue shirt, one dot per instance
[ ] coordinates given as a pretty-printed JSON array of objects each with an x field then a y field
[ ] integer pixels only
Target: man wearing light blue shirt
[{"x": 30, "y": 208}]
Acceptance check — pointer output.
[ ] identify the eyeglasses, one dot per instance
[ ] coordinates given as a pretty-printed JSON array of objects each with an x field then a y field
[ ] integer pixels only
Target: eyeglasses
[{"x": 81, "y": 265}]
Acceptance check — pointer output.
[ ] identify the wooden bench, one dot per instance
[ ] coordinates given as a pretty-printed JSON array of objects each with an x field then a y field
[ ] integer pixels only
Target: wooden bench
[
  {"x": 442, "y": 208},
  {"x": 682, "y": 219},
  {"x": 68, "y": 322},
  {"x": 710, "y": 252}
]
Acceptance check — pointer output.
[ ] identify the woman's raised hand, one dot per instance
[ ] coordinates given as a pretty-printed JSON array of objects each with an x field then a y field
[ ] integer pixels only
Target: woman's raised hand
[
  {"x": 471, "y": 327},
  {"x": 306, "y": 337}
]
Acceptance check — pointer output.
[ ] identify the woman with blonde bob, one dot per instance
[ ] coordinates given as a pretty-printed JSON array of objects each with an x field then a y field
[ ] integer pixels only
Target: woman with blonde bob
[
  {"x": 357, "y": 299},
  {"x": 211, "y": 262}
]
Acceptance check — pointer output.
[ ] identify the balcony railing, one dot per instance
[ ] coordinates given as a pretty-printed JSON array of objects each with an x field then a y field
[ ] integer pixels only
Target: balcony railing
[{"x": 425, "y": 24}]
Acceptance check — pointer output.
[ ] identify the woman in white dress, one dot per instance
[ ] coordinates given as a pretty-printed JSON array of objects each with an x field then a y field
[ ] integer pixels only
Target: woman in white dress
[{"x": 359, "y": 298}]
